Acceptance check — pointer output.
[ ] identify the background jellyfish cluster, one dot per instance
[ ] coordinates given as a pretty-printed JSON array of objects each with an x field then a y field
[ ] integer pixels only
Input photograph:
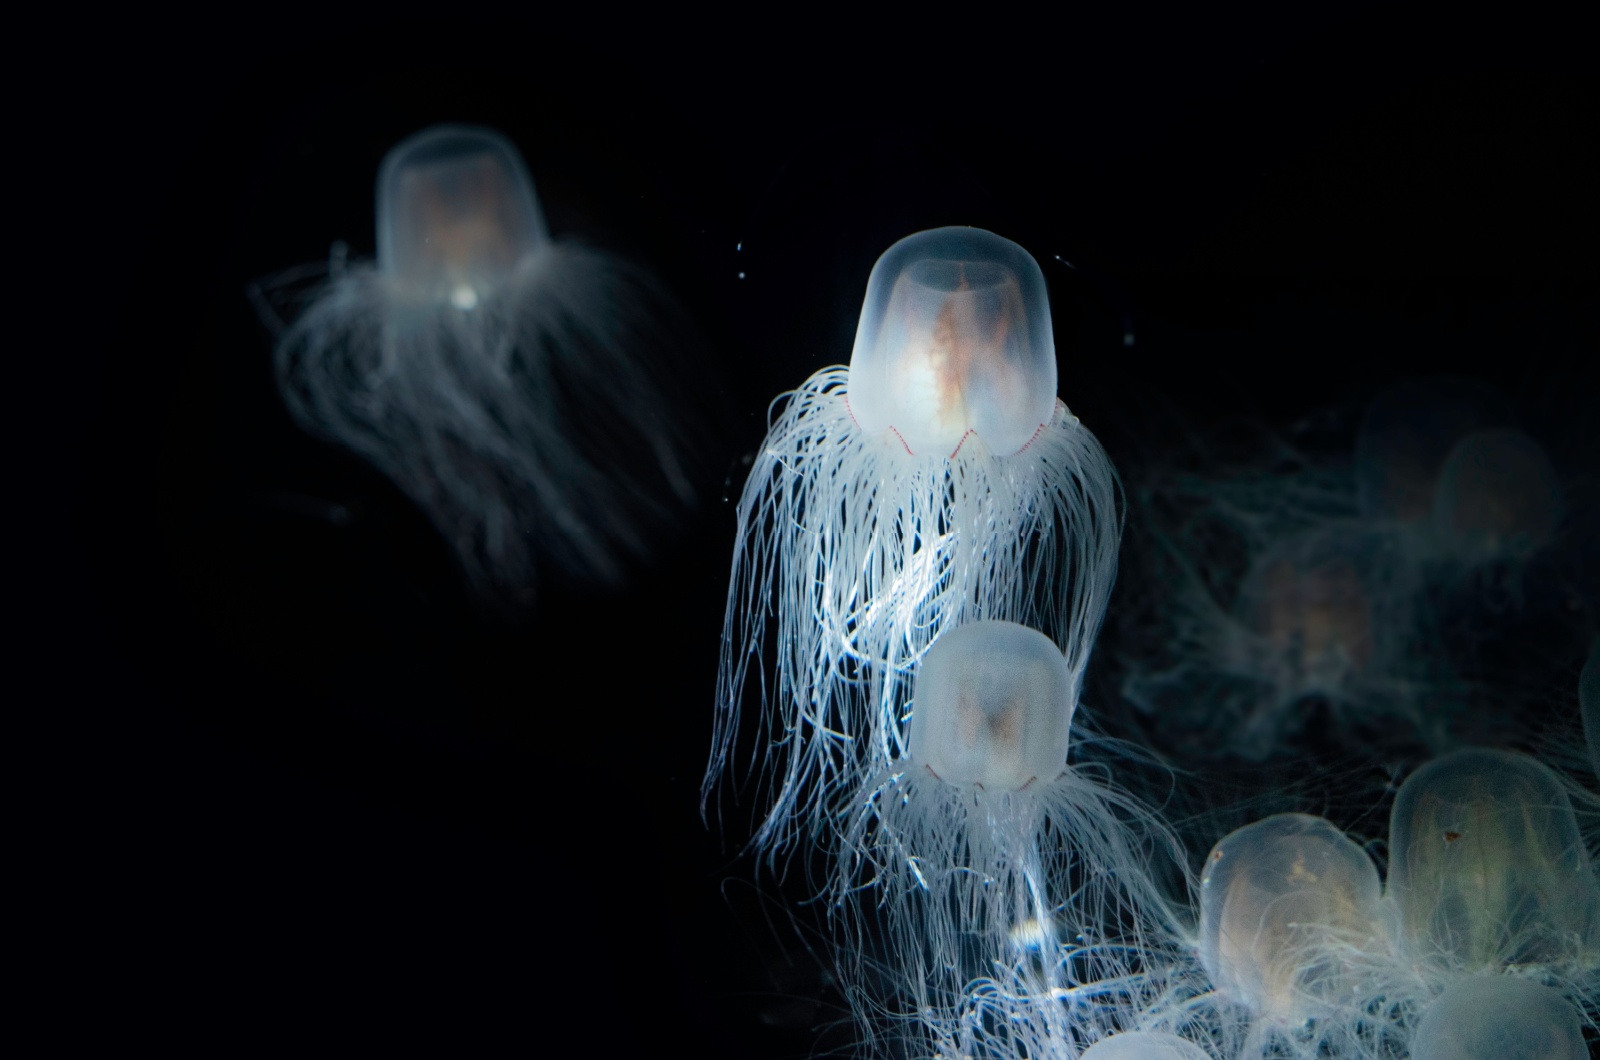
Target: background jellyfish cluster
[{"x": 397, "y": 737}]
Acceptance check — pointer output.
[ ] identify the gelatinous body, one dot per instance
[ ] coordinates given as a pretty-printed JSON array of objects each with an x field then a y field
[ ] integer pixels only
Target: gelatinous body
[
  {"x": 1487, "y": 867},
  {"x": 1144, "y": 1045},
  {"x": 936, "y": 481},
  {"x": 1406, "y": 436},
  {"x": 1289, "y": 907},
  {"x": 954, "y": 340},
  {"x": 1499, "y": 1018},
  {"x": 993, "y": 709},
  {"x": 533, "y": 397},
  {"x": 1498, "y": 498},
  {"x": 981, "y": 848}
]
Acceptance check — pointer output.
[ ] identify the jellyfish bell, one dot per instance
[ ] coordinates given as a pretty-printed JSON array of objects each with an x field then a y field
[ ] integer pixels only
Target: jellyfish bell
[
  {"x": 457, "y": 214},
  {"x": 1289, "y": 914},
  {"x": 537, "y": 399},
  {"x": 995, "y": 708},
  {"x": 1498, "y": 498},
  {"x": 938, "y": 480},
  {"x": 954, "y": 340},
  {"x": 983, "y": 847},
  {"x": 1144, "y": 1045},
  {"x": 1499, "y": 1017},
  {"x": 1307, "y": 617},
  {"x": 1488, "y": 869},
  {"x": 1406, "y": 435}
]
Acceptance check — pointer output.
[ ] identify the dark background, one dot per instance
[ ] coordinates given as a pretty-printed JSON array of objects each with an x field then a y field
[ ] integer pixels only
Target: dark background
[{"x": 306, "y": 797}]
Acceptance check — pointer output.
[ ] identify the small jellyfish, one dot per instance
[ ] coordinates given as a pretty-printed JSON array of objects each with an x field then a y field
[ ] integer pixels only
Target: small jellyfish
[
  {"x": 1498, "y": 498},
  {"x": 936, "y": 480},
  {"x": 525, "y": 393},
  {"x": 1314, "y": 614},
  {"x": 1487, "y": 867},
  {"x": 1289, "y": 914},
  {"x": 1144, "y": 1045},
  {"x": 1499, "y": 1018},
  {"x": 1408, "y": 431},
  {"x": 1313, "y": 640},
  {"x": 985, "y": 849},
  {"x": 1589, "y": 701}
]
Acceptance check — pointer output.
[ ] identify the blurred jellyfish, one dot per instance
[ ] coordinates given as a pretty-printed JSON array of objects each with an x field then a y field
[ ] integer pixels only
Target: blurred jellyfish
[
  {"x": 1498, "y": 498},
  {"x": 1487, "y": 867},
  {"x": 1407, "y": 433},
  {"x": 1499, "y": 1018},
  {"x": 1290, "y": 919},
  {"x": 526, "y": 394},
  {"x": 1314, "y": 641},
  {"x": 937, "y": 480},
  {"x": 1144, "y": 1045},
  {"x": 1589, "y": 700},
  {"x": 986, "y": 851}
]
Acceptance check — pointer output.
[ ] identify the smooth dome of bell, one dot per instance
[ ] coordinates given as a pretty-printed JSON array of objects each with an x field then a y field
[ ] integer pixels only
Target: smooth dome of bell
[
  {"x": 955, "y": 339},
  {"x": 1499, "y": 1017},
  {"x": 456, "y": 213},
  {"x": 1487, "y": 866},
  {"x": 1283, "y": 903},
  {"x": 993, "y": 707}
]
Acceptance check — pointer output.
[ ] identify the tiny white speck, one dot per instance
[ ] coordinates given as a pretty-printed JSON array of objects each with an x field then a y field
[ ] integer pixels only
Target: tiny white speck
[
  {"x": 463, "y": 297},
  {"x": 741, "y": 276},
  {"x": 737, "y": 247},
  {"x": 1127, "y": 338}
]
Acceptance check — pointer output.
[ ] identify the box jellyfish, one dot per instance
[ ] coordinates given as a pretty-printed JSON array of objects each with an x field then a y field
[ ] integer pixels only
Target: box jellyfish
[
  {"x": 1144, "y": 1045},
  {"x": 1289, "y": 917},
  {"x": 1487, "y": 867},
  {"x": 1499, "y": 1018},
  {"x": 1498, "y": 498},
  {"x": 1407, "y": 433},
  {"x": 1314, "y": 639},
  {"x": 984, "y": 847},
  {"x": 936, "y": 480},
  {"x": 521, "y": 391}
]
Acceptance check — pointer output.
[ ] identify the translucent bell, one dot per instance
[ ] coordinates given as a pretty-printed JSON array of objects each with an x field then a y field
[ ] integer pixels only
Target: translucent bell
[
  {"x": 1284, "y": 903},
  {"x": 1499, "y": 1017},
  {"x": 993, "y": 707},
  {"x": 456, "y": 213},
  {"x": 1487, "y": 866},
  {"x": 955, "y": 339}
]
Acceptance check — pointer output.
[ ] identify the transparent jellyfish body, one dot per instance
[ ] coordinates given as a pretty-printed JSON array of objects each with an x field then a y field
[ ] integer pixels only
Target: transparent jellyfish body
[
  {"x": 1487, "y": 868},
  {"x": 1290, "y": 919},
  {"x": 527, "y": 394},
  {"x": 1324, "y": 616},
  {"x": 986, "y": 856},
  {"x": 1500, "y": 1017},
  {"x": 937, "y": 480},
  {"x": 1406, "y": 436},
  {"x": 1144, "y": 1045},
  {"x": 1498, "y": 498}
]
